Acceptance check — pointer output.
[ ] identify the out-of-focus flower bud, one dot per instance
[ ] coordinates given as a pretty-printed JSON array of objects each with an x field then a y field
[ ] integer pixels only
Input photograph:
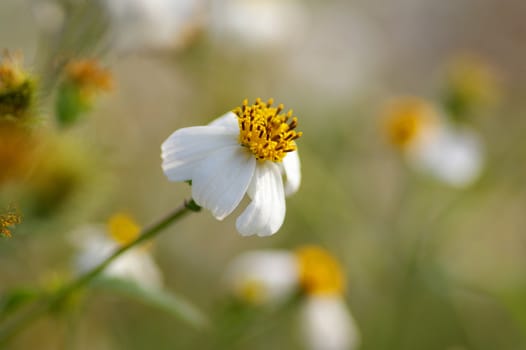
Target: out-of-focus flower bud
[{"x": 83, "y": 81}]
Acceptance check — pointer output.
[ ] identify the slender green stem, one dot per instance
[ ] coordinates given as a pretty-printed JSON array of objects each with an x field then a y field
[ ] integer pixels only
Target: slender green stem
[{"x": 11, "y": 327}]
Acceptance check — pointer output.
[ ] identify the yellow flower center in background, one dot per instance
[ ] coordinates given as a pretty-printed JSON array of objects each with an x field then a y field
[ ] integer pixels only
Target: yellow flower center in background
[
  {"x": 265, "y": 131},
  {"x": 320, "y": 273},
  {"x": 123, "y": 229},
  {"x": 406, "y": 119}
]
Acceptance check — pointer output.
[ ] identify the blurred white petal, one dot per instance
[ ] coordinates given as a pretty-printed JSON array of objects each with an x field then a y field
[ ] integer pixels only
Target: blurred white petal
[
  {"x": 152, "y": 24},
  {"x": 95, "y": 246},
  {"x": 266, "y": 276},
  {"x": 453, "y": 156},
  {"x": 136, "y": 265},
  {"x": 258, "y": 23},
  {"x": 327, "y": 324}
]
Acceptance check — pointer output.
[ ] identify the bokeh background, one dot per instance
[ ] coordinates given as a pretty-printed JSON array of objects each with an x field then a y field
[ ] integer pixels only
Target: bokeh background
[{"x": 429, "y": 266}]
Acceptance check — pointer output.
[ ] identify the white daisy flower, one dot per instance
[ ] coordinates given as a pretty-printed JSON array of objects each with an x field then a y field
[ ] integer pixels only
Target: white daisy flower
[
  {"x": 271, "y": 277},
  {"x": 249, "y": 151},
  {"x": 152, "y": 24},
  {"x": 449, "y": 153},
  {"x": 96, "y": 243},
  {"x": 327, "y": 324}
]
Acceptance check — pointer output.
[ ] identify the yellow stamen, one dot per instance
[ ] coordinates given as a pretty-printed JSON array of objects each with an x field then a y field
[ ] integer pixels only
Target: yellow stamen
[
  {"x": 406, "y": 119},
  {"x": 265, "y": 131},
  {"x": 9, "y": 219},
  {"x": 123, "y": 229},
  {"x": 320, "y": 273}
]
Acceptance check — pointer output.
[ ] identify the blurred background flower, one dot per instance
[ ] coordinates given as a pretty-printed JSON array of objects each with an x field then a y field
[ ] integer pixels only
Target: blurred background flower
[
  {"x": 97, "y": 242},
  {"x": 309, "y": 276},
  {"x": 450, "y": 153}
]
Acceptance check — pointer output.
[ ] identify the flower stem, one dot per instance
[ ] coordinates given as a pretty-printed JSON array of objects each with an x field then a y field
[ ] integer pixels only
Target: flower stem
[{"x": 50, "y": 302}]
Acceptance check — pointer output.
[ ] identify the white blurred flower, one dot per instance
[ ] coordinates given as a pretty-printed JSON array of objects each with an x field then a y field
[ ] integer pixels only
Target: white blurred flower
[
  {"x": 258, "y": 23},
  {"x": 447, "y": 152},
  {"x": 247, "y": 151},
  {"x": 96, "y": 243},
  {"x": 153, "y": 24},
  {"x": 272, "y": 277},
  {"x": 327, "y": 324},
  {"x": 263, "y": 277}
]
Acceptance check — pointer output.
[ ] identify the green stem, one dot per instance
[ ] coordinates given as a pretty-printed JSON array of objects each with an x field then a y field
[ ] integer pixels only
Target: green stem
[{"x": 50, "y": 302}]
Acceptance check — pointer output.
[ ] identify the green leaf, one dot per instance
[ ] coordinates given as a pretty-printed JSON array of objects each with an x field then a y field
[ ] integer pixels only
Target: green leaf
[{"x": 169, "y": 302}]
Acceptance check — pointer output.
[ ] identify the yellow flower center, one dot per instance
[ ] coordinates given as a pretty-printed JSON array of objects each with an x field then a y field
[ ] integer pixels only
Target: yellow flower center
[
  {"x": 123, "y": 229},
  {"x": 320, "y": 273},
  {"x": 406, "y": 119},
  {"x": 265, "y": 131}
]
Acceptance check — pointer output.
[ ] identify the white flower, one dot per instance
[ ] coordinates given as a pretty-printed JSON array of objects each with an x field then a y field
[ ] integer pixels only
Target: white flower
[
  {"x": 263, "y": 277},
  {"x": 327, "y": 324},
  {"x": 152, "y": 24},
  {"x": 271, "y": 277},
  {"x": 247, "y": 151},
  {"x": 96, "y": 245},
  {"x": 447, "y": 152}
]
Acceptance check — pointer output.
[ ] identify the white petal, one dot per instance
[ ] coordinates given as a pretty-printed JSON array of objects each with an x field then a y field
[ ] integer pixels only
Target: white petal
[
  {"x": 222, "y": 178},
  {"x": 265, "y": 214},
  {"x": 328, "y": 325},
  {"x": 453, "y": 156},
  {"x": 136, "y": 265},
  {"x": 274, "y": 272},
  {"x": 292, "y": 169},
  {"x": 94, "y": 247},
  {"x": 227, "y": 120},
  {"x": 185, "y": 148}
]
